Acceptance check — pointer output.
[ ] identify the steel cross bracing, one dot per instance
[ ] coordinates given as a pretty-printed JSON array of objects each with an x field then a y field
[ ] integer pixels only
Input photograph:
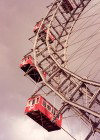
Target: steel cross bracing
[{"x": 50, "y": 58}]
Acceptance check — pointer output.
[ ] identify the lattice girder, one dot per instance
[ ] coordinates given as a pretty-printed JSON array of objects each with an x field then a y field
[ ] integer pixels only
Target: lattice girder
[{"x": 50, "y": 58}]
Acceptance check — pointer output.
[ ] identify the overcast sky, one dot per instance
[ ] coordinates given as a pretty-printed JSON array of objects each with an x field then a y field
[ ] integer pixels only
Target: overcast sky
[{"x": 17, "y": 18}]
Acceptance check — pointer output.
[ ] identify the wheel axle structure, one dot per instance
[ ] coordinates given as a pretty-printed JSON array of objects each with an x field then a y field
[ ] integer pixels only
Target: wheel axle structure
[{"x": 77, "y": 92}]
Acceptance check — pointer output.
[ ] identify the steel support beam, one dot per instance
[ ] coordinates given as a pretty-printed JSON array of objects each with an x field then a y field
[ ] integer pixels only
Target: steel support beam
[{"x": 96, "y": 114}]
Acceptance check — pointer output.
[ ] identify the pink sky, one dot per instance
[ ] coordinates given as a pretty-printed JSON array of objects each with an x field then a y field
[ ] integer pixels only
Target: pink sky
[{"x": 17, "y": 18}]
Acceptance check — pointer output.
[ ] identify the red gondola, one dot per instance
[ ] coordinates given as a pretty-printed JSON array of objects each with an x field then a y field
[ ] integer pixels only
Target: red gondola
[
  {"x": 68, "y": 5},
  {"x": 43, "y": 33},
  {"x": 43, "y": 112},
  {"x": 27, "y": 65},
  {"x": 37, "y": 26}
]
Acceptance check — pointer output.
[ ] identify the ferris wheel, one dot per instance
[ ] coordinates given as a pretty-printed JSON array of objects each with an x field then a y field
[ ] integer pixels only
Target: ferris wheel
[{"x": 64, "y": 61}]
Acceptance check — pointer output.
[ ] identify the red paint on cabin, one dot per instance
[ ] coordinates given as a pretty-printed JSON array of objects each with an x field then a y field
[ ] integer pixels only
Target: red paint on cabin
[
  {"x": 37, "y": 26},
  {"x": 27, "y": 65},
  {"x": 43, "y": 113},
  {"x": 68, "y": 5},
  {"x": 43, "y": 32}
]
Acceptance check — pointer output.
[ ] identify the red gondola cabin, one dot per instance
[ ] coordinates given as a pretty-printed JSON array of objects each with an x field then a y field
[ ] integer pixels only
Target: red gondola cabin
[
  {"x": 27, "y": 65},
  {"x": 43, "y": 112},
  {"x": 43, "y": 33},
  {"x": 68, "y": 5}
]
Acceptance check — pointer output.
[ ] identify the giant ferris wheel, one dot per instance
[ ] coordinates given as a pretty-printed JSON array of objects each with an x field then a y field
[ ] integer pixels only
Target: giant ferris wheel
[{"x": 64, "y": 60}]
